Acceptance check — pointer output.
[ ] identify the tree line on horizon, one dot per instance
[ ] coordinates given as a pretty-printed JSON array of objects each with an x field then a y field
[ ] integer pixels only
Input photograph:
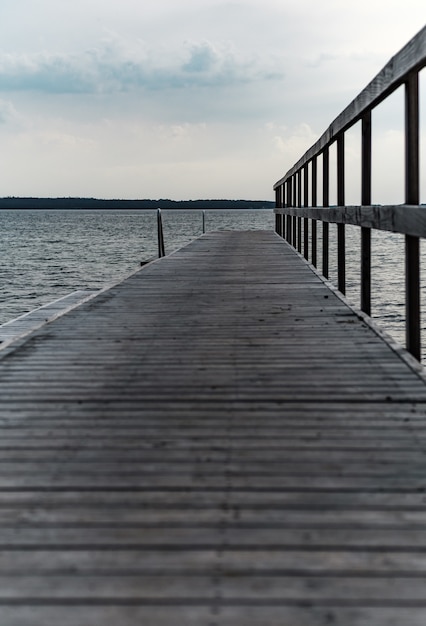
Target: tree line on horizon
[{"x": 95, "y": 203}]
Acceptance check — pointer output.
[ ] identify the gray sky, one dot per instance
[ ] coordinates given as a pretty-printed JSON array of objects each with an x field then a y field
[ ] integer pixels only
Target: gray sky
[{"x": 190, "y": 98}]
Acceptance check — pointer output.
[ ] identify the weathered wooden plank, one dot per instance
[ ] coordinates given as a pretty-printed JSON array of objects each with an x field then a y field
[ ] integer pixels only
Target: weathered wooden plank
[
  {"x": 397, "y": 539},
  {"x": 217, "y": 440},
  {"x": 38, "y": 317},
  {"x": 256, "y": 560},
  {"x": 195, "y": 588},
  {"x": 195, "y": 614},
  {"x": 405, "y": 219}
]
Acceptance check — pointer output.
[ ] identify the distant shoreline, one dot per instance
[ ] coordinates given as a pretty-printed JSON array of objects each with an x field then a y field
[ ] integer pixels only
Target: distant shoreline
[{"x": 94, "y": 203}]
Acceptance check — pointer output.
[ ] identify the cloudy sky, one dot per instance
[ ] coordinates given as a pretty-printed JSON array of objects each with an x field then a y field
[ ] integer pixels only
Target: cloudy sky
[{"x": 190, "y": 98}]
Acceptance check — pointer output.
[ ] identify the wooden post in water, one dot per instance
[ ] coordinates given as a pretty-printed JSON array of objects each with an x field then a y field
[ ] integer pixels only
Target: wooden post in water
[{"x": 161, "y": 249}]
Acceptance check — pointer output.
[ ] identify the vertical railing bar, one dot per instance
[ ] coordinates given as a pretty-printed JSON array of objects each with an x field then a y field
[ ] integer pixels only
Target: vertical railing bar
[
  {"x": 277, "y": 224},
  {"x": 366, "y": 270},
  {"x": 341, "y": 258},
  {"x": 412, "y": 185},
  {"x": 293, "y": 217},
  {"x": 314, "y": 182},
  {"x": 289, "y": 204},
  {"x": 314, "y": 203},
  {"x": 325, "y": 203},
  {"x": 285, "y": 201},
  {"x": 299, "y": 205},
  {"x": 293, "y": 204},
  {"x": 341, "y": 244},
  {"x": 412, "y": 196},
  {"x": 204, "y": 223},
  {"x": 306, "y": 238},
  {"x": 366, "y": 201},
  {"x": 294, "y": 235},
  {"x": 412, "y": 295},
  {"x": 278, "y": 204},
  {"x": 305, "y": 204}
]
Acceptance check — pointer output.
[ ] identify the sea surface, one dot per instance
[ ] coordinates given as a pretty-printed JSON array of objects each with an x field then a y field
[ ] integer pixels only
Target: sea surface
[{"x": 46, "y": 254}]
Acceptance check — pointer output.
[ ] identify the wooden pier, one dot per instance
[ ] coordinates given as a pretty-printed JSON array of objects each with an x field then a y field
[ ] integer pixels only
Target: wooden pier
[{"x": 219, "y": 440}]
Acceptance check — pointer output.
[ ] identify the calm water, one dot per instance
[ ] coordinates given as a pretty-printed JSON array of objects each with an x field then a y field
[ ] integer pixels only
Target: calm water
[
  {"x": 388, "y": 275},
  {"x": 48, "y": 254}
]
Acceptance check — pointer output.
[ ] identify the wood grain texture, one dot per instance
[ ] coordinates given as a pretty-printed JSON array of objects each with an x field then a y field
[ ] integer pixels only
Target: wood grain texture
[
  {"x": 33, "y": 319},
  {"x": 217, "y": 441},
  {"x": 404, "y": 219}
]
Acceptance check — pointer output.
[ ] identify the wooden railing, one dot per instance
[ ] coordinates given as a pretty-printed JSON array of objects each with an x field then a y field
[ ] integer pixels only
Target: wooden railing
[{"x": 292, "y": 191}]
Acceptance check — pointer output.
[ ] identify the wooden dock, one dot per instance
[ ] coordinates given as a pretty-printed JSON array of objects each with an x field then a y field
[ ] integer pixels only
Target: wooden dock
[{"x": 217, "y": 441}]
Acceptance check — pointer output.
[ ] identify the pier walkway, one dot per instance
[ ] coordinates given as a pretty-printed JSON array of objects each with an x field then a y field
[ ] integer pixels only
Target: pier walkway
[{"x": 219, "y": 440}]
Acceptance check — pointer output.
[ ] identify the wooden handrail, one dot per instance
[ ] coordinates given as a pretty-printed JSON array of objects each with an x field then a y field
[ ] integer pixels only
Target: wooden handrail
[
  {"x": 402, "y": 218},
  {"x": 411, "y": 58},
  {"x": 408, "y": 219}
]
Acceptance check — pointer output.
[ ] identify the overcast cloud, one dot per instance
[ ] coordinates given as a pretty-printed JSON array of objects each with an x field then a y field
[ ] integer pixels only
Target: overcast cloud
[
  {"x": 201, "y": 98},
  {"x": 111, "y": 68}
]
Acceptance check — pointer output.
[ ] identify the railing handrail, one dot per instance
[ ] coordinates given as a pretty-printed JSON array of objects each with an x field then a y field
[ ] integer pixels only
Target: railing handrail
[
  {"x": 412, "y": 57},
  {"x": 404, "y": 219}
]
